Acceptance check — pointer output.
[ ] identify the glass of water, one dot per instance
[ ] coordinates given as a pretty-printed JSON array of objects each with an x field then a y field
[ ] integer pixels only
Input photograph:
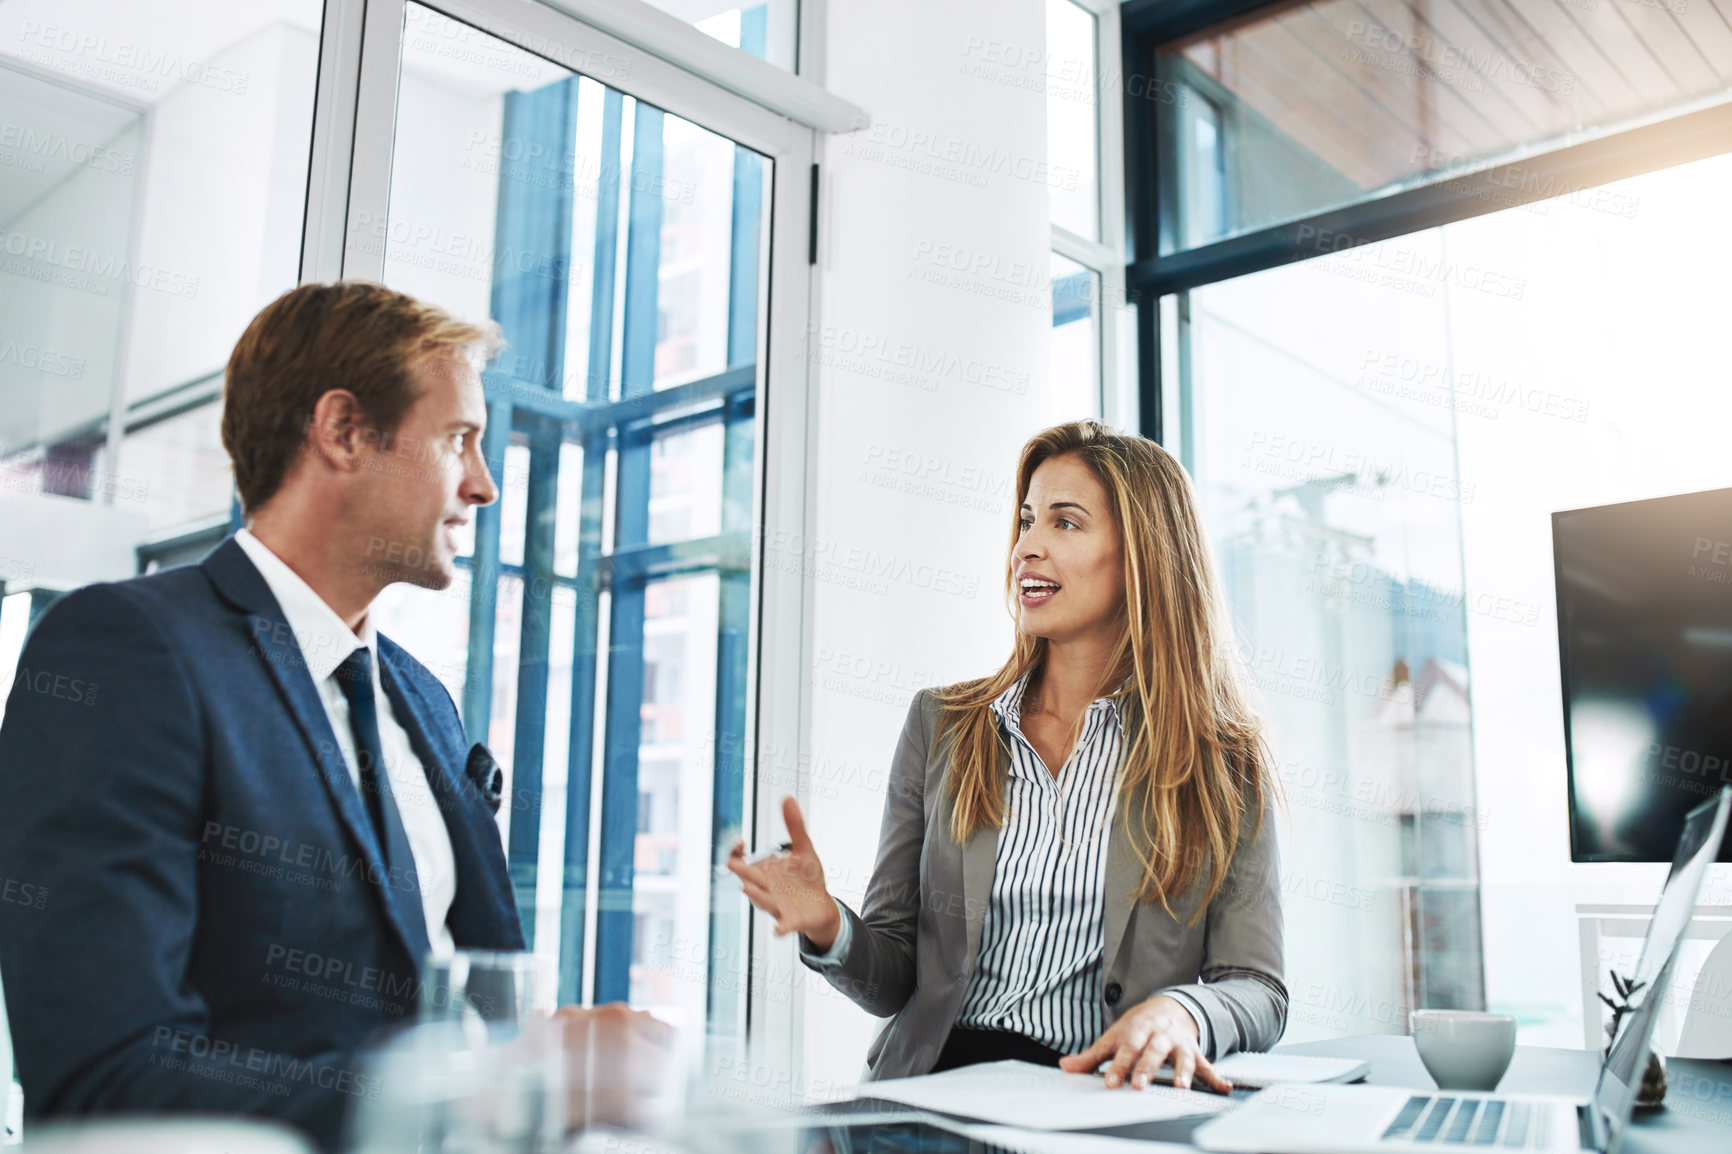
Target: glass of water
[
  {"x": 493, "y": 994},
  {"x": 439, "y": 1088},
  {"x": 482, "y": 1070}
]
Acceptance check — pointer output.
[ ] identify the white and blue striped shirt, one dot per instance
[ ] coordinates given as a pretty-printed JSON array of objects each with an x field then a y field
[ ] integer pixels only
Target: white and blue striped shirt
[
  {"x": 1038, "y": 972},
  {"x": 1039, "y": 968}
]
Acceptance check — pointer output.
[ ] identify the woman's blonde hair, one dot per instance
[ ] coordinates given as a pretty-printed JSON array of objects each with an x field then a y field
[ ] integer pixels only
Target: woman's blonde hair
[{"x": 1190, "y": 733}]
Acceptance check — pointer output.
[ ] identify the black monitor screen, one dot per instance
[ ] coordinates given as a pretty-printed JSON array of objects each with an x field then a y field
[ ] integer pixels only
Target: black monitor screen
[{"x": 1645, "y": 638}]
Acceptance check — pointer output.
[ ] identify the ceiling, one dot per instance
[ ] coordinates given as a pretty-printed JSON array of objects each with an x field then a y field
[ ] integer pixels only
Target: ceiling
[{"x": 1385, "y": 91}]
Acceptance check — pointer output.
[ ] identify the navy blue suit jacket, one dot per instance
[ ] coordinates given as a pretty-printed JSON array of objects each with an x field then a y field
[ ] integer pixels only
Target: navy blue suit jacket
[{"x": 209, "y": 924}]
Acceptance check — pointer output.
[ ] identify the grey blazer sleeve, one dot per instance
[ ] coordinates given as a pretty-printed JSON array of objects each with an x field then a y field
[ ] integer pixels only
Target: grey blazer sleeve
[
  {"x": 877, "y": 972},
  {"x": 1240, "y": 994}
]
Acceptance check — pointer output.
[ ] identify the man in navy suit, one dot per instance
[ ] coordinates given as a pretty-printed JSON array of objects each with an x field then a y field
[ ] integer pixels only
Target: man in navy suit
[{"x": 258, "y": 817}]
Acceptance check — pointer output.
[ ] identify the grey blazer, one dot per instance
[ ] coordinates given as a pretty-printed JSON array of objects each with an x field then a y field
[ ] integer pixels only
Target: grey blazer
[{"x": 915, "y": 943}]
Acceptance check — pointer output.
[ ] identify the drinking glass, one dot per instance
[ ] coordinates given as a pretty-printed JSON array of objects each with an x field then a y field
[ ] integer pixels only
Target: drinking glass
[
  {"x": 440, "y": 1088},
  {"x": 492, "y": 994}
]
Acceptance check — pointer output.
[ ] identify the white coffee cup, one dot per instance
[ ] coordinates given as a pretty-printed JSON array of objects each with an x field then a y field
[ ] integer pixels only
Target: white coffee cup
[{"x": 1464, "y": 1049}]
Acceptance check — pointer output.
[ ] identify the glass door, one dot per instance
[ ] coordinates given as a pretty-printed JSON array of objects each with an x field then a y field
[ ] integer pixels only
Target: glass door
[{"x": 614, "y": 216}]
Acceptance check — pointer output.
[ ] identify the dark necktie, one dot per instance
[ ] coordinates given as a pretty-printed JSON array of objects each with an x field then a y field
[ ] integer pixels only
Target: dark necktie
[{"x": 355, "y": 678}]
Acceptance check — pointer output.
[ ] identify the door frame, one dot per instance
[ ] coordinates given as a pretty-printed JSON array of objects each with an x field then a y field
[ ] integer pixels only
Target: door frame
[{"x": 349, "y": 181}]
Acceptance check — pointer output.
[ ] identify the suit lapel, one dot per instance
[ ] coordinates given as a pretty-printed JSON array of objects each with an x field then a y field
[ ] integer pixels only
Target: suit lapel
[
  {"x": 236, "y": 578},
  {"x": 483, "y": 886},
  {"x": 413, "y": 715},
  {"x": 979, "y": 866},
  {"x": 1123, "y": 878}
]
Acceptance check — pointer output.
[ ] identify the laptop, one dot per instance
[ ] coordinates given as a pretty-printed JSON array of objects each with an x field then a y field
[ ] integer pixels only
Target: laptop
[{"x": 1332, "y": 1119}]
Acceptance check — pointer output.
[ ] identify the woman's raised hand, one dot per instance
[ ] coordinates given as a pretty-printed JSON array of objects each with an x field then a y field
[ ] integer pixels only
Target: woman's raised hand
[{"x": 790, "y": 886}]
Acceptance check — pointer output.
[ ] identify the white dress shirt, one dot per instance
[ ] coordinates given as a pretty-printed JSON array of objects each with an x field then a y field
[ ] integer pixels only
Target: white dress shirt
[{"x": 326, "y": 642}]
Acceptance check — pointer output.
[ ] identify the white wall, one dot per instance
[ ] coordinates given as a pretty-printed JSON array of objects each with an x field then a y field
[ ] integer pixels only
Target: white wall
[{"x": 894, "y": 353}]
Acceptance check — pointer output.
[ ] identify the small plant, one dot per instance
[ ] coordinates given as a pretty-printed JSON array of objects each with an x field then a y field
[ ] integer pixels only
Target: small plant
[{"x": 1652, "y": 1092}]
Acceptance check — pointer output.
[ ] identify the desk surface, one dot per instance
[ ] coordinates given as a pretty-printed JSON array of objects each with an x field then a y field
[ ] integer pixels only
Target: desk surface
[{"x": 1697, "y": 1117}]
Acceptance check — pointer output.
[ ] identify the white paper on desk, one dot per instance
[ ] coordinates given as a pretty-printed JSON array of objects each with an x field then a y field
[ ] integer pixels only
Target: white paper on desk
[
  {"x": 1057, "y": 1142},
  {"x": 1043, "y": 1097}
]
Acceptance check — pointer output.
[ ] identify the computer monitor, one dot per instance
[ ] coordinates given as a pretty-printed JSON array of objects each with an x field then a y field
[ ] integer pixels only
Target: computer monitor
[{"x": 1645, "y": 642}]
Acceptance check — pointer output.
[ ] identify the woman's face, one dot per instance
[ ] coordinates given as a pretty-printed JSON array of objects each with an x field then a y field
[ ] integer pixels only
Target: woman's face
[{"x": 1069, "y": 537}]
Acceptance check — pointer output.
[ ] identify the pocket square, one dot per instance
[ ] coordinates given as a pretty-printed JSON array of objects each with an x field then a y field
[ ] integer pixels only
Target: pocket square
[{"x": 486, "y": 774}]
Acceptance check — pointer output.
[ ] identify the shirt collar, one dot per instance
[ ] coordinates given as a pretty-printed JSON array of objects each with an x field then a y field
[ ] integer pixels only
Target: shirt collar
[
  {"x": 325, "y": 639},
  {"x": 1008, "y": 705}
]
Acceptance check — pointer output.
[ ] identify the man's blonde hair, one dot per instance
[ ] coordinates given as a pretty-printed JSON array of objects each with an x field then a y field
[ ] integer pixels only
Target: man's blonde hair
[{"x": 351, "y": 335}]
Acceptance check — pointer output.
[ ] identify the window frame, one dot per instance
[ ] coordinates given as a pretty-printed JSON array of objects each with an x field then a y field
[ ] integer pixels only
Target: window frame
[
  {"x": 1106, "y": 257},
  {"x": 798, "y": 95},
  {"x": 1148, "y": 26},
  {"x": 353, "y": 133},
  {"x": 1162, "y": 283}
]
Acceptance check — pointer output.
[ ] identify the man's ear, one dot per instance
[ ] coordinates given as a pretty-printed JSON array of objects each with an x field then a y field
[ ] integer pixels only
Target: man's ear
[{"x": 338, "y": 431}]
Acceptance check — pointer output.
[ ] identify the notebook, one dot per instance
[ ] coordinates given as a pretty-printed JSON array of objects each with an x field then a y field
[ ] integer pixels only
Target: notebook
[{"x": 1253, "y": 1071}]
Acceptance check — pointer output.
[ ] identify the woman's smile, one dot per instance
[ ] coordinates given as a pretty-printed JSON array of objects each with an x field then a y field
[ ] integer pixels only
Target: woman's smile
[
  {"x": 1034, "y": 587},
  {"x": 1034, "y": 594}
]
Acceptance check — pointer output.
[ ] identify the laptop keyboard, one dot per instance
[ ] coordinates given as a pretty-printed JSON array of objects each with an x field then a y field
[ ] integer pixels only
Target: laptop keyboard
[{"x": 1471, "y": 1122}]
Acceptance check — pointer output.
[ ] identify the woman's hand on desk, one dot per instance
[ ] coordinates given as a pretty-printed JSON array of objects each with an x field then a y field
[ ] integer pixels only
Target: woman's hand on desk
[
  {"x": 790, "y": 886},
  {"x": 1142, "y": 1041}
]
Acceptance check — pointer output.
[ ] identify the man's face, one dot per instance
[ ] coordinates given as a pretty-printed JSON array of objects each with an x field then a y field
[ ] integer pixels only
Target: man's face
[{"x": 421, "y": 486}]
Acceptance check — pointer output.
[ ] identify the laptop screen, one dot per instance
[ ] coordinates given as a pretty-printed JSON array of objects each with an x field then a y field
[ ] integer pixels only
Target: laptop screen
[{"x": 1621, "y": 1075}]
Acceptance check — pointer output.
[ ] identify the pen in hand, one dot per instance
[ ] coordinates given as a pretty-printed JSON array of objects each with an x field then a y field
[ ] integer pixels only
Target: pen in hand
[
  {"x": 782, "y": 847},
  {"x": 760, "y": 859}
]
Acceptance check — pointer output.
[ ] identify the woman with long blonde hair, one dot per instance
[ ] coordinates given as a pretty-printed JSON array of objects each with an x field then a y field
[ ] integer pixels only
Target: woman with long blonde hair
[{"x": 1076, "y": 864}]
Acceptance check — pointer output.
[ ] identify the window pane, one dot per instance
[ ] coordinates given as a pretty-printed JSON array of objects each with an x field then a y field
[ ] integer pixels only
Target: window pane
[
  {"x": 565, "y": 518},
  {"x": 513, "y": 503},
  {"x": 671, "y": 893},
  {"x": 441, "y": 245},
  {"x": 767, "y": 31},
  {"x": 1076, "y": 374},
  {"x": 1382, "y": 436},
  {"x": 1594, "y": 396},
  {"x": 434, "y": 624},
  {"x": 502, "y": 723},
  {"x": 685, "y": 493},
  {"x": 115, "y": 287},
  {"x": 1072, "y": 131},
  {"x": 1335, "y": 510},
  {"x": 64, "y": 224},
  {"x": 618, "y": 248},
  {"x": 692, "y": 329},
  {"x": 555, "y": 775},
  {"x": 1337, "y": 101},
  {"x": 179, "y": 469}
]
